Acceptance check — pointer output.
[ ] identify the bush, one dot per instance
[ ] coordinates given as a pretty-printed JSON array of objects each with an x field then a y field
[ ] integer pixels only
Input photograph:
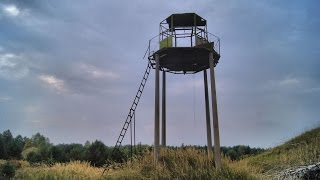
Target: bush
[
  {"x": 8, "y": 170},
  {"x": 97, "y": 154},
  {"x": 34, "y": 157}
]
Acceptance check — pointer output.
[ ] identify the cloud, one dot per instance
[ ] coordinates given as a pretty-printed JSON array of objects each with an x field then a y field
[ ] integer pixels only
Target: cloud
[
  {"x": 312, "y": 90},
  {"x": 69, "y": 49},
  {"x": 31, "y": 109},
  {"x": 4, "y": 98},
  {"x": 289, "y": 82},
  {"x": 11, "y": 10},
  {"x": 97, "y": 73},
  {"x": 6, "y": 60},
  {"x": 301, "y": 85},
  {"x": 286, "y": 82},
  {"x": 53, "y": 82},
  {"x": 12, "y": 66}
]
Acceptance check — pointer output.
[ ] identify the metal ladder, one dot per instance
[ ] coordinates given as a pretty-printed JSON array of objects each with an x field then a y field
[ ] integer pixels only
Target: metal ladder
[
  {"x": 132, "y": 109},
  {"x": 131, "y": 113}
]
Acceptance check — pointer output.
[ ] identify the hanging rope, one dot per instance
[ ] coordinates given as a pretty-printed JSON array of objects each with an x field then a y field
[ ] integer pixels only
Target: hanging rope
[{"x": 194, "y": 101}]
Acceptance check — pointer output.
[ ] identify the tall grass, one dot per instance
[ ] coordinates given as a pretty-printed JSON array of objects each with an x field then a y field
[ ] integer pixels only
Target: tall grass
[
  {"x": 187, "y": 163},
  {"x": 72, "y": 170}
]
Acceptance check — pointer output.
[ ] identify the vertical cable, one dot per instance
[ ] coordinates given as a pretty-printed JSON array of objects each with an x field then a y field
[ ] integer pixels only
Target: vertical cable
[
  {"x": 131, "y": 139},
  {"x": 134, "y": 132},
  {"x": 194, "y": 101}
]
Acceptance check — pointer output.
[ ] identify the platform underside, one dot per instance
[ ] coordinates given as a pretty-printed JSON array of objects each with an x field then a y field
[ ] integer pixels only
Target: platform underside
[{"x": 184, "y": 60}]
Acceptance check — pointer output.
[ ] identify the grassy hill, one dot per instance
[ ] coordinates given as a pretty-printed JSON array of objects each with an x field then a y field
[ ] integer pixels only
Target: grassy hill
[{"x": 299, "y": 151}]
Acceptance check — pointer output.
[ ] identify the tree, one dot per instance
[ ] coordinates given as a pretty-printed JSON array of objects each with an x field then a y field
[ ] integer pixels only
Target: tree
[
  {"x": 57, "y": 153},
  {"x": 96, "y": 153},
  {"x": 3, "y": 152},
  {"x": 28, "y": 144},
  {"x": 232, "y": 154},
  {"x": 87, "y": 144},
  {"x": 7, "y": 136},
  {"x": 41, "y": 143},
  {"x": 77, "y": 152},
  {"x": 16, "y": 147},
  {"x": 8, "y": 141}
]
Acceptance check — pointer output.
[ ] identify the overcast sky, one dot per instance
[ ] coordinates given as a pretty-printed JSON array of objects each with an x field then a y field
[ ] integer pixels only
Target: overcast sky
[{"x": 70, "y": 70}]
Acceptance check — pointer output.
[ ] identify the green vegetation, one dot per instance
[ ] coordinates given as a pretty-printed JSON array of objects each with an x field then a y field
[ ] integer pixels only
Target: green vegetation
[
  {"x": 301, "y": 150},
  {"x": 7, "y": 170},
  {"x": 43, "y": 160},
  {"x": 38, "y": 149}
]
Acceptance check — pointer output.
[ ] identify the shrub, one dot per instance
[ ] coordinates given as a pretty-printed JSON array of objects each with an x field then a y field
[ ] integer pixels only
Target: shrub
[
  {"x": 97, "y": 154},
  {"x": 8, "y": 170},
  {"x": 34, "y": 157}
]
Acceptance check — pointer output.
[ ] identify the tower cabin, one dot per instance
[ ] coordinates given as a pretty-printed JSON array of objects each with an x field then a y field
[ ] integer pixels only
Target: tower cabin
[{"x": 184, "y": 45}]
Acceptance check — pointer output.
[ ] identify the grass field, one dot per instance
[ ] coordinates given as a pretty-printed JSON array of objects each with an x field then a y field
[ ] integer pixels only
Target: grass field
[{"x": 187, "y": 163}]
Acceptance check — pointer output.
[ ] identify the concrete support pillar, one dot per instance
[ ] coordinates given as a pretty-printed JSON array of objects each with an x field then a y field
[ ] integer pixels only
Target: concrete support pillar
[
  {"x": 206, "y": 94},
  {"x": 163, "y": 133},
  {"x": 157, "y": 112},
  {"x": 217, "y": 153}
]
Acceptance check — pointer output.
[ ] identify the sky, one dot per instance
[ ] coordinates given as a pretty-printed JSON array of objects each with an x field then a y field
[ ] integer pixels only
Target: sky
[{"x": 70, "y": 70}]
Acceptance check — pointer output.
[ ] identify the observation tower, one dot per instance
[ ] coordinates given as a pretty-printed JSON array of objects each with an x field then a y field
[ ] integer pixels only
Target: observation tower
[{"x": 184, "y": 46}]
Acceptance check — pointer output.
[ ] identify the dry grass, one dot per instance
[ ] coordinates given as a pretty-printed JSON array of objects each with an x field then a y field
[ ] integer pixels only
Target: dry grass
[
  {"x": 72, "y": 170},
  {"x": 176, "y": 164}
]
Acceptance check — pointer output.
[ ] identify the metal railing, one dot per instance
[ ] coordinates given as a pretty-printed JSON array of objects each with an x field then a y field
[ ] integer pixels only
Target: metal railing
[{"x": 154, "y": 43}]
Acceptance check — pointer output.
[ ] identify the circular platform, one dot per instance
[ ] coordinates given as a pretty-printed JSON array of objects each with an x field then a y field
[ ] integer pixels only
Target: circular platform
[{"x": 184, "y": 60}]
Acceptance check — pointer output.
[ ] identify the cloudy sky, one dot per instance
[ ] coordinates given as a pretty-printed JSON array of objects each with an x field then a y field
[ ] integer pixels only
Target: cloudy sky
[{"x": 70, "y": 70}]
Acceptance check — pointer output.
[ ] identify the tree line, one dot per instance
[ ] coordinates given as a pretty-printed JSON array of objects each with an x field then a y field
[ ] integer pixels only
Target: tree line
[{"x": 39, "y": 149}]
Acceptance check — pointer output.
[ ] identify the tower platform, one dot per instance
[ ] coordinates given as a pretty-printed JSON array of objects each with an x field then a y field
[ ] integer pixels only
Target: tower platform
[
  {"x": 184, "y": 60},
  {"x": 184, "y": 45}
]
